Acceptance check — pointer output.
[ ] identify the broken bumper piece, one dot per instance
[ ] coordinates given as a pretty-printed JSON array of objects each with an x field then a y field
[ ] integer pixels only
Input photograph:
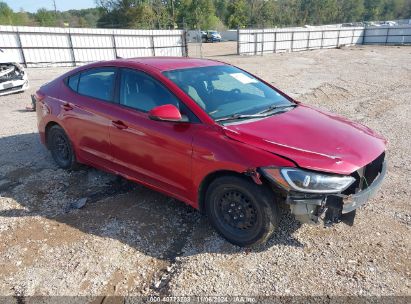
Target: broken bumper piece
[
  {"x": 13, "y": 79},
  {"x": 332, "y": 208}
]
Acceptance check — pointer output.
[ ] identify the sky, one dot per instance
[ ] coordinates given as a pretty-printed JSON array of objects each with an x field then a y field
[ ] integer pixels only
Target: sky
[{"x": 62, "y": 5}]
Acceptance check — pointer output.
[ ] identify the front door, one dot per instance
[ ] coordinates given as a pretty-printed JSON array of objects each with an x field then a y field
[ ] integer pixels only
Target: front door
[{"x": 154, "y": 152}]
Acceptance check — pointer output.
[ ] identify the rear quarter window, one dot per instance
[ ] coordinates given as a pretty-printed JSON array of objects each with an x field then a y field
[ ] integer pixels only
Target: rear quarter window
[{"x": 72, "y": 82}]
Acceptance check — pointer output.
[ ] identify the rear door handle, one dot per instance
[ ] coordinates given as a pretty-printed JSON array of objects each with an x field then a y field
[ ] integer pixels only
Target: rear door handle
[
  {"x": 119, "y": 124},
  {"x": 67, "y": 107}
]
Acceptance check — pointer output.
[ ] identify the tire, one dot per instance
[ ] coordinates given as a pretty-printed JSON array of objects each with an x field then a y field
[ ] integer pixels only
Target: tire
[
  {"x": 243, "y": 212},
  {"x": 61, "y": 149}
]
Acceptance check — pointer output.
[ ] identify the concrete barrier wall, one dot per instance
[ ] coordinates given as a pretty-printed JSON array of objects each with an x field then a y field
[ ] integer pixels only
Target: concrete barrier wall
[
  {"x": 44, "y": 46},
  {"x": 261, "y": 41}
]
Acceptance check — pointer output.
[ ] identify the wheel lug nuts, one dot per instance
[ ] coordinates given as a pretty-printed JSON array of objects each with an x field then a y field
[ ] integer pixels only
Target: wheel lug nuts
[
  {"x": 235, "y": 217},
  {"x": 229, "y": 211},
  {"x": 241, "y": 215},
  {"x": 239, "y": 207}
]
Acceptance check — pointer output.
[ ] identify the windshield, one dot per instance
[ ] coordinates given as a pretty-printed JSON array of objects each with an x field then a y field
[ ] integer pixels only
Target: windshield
[{"x": 225, "y": 91}]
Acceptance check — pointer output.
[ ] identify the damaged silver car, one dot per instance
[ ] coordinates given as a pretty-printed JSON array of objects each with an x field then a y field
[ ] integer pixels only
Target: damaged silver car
[{"x": 13, "y": 77}]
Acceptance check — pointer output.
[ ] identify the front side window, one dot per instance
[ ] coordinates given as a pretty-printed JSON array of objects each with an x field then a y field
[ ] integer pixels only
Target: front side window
[
  {"x": 97, "y": 83},
  {"x": 224, "y": 91},
  {"x": 141, "y": 92}
]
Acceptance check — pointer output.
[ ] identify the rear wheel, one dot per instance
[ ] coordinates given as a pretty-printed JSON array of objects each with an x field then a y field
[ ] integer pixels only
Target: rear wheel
[
  {"x": 243, "y": 212},
  {"x": 60, "y": 148}
]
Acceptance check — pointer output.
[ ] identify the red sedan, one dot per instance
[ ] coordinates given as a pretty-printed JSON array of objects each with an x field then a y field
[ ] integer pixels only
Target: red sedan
[{"x": 215, "y": 137}]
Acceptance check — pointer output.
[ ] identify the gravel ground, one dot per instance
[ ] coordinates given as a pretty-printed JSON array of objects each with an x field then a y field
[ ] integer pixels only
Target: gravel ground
[{"x": 128, "y": 240}]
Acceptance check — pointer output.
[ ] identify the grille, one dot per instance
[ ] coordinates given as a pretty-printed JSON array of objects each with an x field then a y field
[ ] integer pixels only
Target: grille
[
  {"x": 372, "y": 170},
  {"x": 365, "y": 176}
]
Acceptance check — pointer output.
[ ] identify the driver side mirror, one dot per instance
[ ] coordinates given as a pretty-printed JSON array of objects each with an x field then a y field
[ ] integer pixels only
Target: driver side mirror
[{"x": 167, "y": 112}]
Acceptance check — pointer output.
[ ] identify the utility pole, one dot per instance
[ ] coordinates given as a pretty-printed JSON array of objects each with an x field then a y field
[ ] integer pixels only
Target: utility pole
[
  {"x": 55, "y": 13},
  {"x": 172, "y": 12}
]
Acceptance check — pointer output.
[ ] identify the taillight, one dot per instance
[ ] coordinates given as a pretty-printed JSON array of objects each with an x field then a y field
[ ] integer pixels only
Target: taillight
[
  {"x": 39, "y": 96},
  {"x": 37, "y": 99}
]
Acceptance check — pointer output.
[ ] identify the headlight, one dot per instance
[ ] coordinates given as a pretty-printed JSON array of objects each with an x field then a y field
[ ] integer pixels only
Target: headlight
[{"x": 307, "y": 181}]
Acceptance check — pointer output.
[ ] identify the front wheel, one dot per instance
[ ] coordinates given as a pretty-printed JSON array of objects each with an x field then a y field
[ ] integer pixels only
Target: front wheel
[{"x": 241, "y": 211}]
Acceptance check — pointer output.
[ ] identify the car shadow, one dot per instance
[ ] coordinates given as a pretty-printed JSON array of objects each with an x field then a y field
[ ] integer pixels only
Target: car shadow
[{"x": 152, "y": 223}]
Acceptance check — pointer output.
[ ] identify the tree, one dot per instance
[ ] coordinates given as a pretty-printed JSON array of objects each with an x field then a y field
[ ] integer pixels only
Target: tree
[
  {"x": 329, "y": 12},
  {"x": 203, "y": 14},
  {"x": 21, "y": 18},
  {"x": 212, "y": 14},
  {"x": 319, "y": 11},
  {"x": 393, "y": 9},
  {"x": 237, "y": 14},
  {"x": 221, "y": 8},
  {"x": 257, "y": 14},
  {"x": 84, "y": 17},
  {"x": 352, "y": 10},
  {"x": 161, "y": 15},
  {"x": 142, "y": 16},
  {"x": 288, "y": 13},
  {"x": 183, "y": 15},
  {"x": 268, "y": 12},
  {"x": 6, "y": 14},
  {"x": 373, "y": 9},
  {"x": 198, "y": 14},
  {"x": 45, "y": 17}
]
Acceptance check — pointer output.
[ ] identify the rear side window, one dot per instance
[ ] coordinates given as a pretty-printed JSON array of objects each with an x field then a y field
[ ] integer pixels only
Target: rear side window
[
  {"x": 72, "y": 82},
  {"x": 97, "y": 83}
]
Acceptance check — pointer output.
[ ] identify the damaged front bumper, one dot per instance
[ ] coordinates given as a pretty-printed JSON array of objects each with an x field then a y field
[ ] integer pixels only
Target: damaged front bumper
[
  {"x": 13, "y": 78},
  {"x": 332, "y": 208}
]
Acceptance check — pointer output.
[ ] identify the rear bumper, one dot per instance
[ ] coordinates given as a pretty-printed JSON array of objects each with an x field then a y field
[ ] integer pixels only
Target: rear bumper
[{"x": 332, "y": 208}]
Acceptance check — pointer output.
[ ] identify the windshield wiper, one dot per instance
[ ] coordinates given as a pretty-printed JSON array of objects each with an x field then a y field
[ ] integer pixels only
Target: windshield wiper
[
  {"x": 261, "y": 114},
  {"x": 275, "y": 107},
  {"x": 241, "y": 116}
]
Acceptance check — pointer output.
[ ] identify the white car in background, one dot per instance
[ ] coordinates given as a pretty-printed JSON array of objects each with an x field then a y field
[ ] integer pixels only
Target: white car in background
[
  {"x": 13, "y": 77},
  {"x": 390, "y": 23}
]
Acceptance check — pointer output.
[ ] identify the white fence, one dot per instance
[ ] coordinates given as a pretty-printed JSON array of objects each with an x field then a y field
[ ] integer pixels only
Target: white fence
[
  {"x": 43, "y": 46},
  {"x": 261, "y": 41}
]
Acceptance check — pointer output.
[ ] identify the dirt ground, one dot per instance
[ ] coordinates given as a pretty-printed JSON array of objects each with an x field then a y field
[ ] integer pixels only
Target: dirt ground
[
  {"x": 213, "y": 49},
  {"x": 129, "y": 240}
]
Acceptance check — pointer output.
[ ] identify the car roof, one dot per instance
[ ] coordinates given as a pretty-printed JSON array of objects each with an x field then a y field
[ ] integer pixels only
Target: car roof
[{"x": 169, "y": 63}]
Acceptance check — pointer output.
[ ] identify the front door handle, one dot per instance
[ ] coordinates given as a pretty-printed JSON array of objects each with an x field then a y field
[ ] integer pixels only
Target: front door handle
[
  {"x": 119, "y": 124},
  {"x": 67, "y": 107}
]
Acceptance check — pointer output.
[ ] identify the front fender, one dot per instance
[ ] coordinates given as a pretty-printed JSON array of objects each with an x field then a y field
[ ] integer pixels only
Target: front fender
[{"x": 214, "y": 152}]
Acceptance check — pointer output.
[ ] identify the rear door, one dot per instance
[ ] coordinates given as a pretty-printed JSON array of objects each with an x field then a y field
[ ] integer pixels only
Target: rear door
[
  {"x": 87, "y": 113},
  {"x": 154, "y": 152}
]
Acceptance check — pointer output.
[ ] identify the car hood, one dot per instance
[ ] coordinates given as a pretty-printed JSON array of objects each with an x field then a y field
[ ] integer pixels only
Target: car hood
[{"x": 312, "y": 138}]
